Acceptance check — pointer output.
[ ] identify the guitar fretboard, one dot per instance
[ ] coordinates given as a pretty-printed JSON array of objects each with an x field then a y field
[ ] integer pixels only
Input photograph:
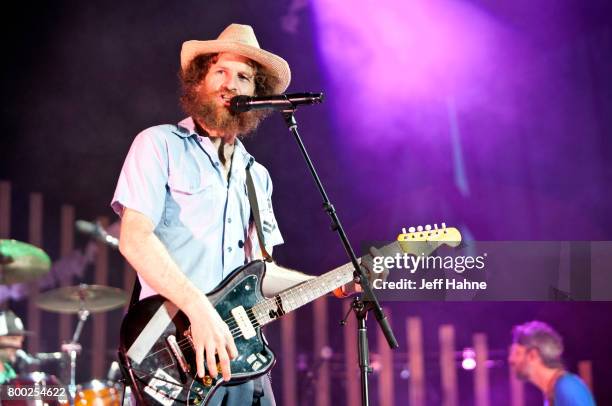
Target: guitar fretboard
[
  {"x": 297, "y": 296},
  {"x": 271, "y": 309}
]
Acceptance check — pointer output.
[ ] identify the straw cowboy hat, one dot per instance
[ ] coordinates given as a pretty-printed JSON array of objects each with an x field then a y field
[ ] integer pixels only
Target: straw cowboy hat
[{"x": 240, "y": 39}]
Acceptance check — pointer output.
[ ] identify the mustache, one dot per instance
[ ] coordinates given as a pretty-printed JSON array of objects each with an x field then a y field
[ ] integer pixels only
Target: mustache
[{"x": 226, "y": 92}]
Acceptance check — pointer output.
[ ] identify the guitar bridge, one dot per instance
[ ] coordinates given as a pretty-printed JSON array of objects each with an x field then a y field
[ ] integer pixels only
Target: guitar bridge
[{"x": 176, "y": 350}]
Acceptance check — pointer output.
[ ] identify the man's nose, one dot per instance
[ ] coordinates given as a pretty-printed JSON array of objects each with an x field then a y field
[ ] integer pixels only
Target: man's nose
[{"x": 231, "y": 83}]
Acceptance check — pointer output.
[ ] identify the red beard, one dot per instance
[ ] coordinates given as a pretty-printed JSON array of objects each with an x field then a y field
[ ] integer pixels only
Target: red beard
[{"x": 206, "y": 110}]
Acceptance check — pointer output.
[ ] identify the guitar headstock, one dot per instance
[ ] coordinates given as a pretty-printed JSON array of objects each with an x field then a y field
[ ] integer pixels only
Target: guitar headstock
[{"x": 432, "y": 236}]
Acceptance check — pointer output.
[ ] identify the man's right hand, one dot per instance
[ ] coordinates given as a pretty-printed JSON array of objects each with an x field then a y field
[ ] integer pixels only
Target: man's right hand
[{"x": 211, "y": 335}]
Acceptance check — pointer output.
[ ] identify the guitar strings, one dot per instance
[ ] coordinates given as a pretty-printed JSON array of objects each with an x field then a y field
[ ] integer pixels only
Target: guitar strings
[
  {"x": 231, "y": 322},
  {"x": 271, "y": 303},
  {"x": 186, "y": 343},
  {"x": 268, "y": 304}
]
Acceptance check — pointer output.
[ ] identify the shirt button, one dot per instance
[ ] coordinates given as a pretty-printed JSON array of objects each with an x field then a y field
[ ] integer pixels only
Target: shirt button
[
  {"x": 229, "y": 220},
  {"x": 216, "y": 163},
  {"x": 229, "y": 249},
  {"x": 240, "y": 243}
]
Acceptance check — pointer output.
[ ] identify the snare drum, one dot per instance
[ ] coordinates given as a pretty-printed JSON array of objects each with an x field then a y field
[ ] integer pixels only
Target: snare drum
[{"x": 97, "y": 393}]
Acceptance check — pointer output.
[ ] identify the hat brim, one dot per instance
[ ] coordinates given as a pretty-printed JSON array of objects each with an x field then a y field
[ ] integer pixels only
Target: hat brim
[
  {"x": 273, "y": 64},
  {"x": 18, "y": 333}
]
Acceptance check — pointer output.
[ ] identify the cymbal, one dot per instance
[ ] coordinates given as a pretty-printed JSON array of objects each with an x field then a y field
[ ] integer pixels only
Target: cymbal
[
  {"x": 21, "y": 262},
  {"x": 72, "y": 299}
]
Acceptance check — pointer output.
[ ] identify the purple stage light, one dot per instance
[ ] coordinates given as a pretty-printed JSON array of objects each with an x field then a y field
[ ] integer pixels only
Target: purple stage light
[
  {"x": 386, "y": 63},
  {"x": 469, "y": 359}
]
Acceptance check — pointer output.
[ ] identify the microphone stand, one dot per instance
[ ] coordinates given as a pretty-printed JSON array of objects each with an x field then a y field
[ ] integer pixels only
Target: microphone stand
[{"x": 359, "y": 306}]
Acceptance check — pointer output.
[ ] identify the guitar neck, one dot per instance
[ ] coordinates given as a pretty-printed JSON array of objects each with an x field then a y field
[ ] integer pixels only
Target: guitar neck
[
  {"x": 304, "y": 293},
  {"x": 414, "y": 243}
]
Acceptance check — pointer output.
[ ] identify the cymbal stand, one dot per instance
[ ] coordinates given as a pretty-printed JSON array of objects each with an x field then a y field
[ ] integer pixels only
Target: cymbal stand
[{"x": 73, "y": 348}]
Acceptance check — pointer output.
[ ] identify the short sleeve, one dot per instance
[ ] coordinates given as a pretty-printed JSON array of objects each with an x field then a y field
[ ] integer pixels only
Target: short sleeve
[
  {"x": 271, "y": 232},
  {"x": 571, "y": 391},
  {"x": 142, "y": 182}
]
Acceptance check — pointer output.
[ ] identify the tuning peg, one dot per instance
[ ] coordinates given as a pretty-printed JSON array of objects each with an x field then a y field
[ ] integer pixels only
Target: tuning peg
[
  {"x": 420, "y": 228},
  {"x": 435, "y": 226},
  {"x": 427, "y": 227},
  {"x": 443, "y": 225},
  {"x": 404, "y": 230},
  {"x": 411, "y": 230}
]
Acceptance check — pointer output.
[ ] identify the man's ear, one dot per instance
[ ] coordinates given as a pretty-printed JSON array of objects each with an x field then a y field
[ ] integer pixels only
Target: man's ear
[{"x": 533, "y": 355}]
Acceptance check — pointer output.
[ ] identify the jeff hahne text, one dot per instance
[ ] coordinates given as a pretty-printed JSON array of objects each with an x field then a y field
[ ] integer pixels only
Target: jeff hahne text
[{"x": 414, "y": 263}]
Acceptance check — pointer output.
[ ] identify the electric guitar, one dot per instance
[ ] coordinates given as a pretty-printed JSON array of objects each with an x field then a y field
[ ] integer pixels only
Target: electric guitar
[{"x": 157, "y": 356}]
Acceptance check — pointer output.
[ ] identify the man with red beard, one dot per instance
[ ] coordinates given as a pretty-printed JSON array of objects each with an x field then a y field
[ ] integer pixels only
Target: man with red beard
[{"x": 183, "y": 200}]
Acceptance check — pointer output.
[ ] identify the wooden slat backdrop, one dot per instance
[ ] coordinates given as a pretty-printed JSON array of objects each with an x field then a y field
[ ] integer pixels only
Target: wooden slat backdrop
[
  {"x": 98, "y": 345},
  {"x": 5, "y": 209},
  {"x": 66, "y": 247},
  {"x": 321, "y": 340},
  {"x": 481, "y": 373},
  {"x": 448, "y": 369},
  {"x": 386, "y": 387},
  {"x": 517, "y": 388},
  {"x": 288, "y": 360},
  {"x": 351, "y": 367},
  {"x": 35, "y": 230},
  {"x": 416, "y": 361}
]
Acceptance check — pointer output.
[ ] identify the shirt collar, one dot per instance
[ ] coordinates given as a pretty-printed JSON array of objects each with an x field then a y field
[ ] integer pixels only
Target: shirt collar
[{"x": 186, "y": 128}]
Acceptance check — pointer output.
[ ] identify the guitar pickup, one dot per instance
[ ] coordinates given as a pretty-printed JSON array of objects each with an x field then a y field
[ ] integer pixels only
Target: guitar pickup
[
  {"x": 176, "y": 350},
  {"x": 244, "y": 323}
]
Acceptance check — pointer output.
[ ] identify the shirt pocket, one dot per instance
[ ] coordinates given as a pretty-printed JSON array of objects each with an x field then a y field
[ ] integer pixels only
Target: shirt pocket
[
  {"x": 195, "y": 199},
  {"x": 189, "y": 178},
  {"x": 183, "y": 185}
]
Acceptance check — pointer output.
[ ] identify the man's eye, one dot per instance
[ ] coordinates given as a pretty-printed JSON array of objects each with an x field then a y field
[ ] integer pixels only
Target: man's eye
[{"x": 244, "y": 78}]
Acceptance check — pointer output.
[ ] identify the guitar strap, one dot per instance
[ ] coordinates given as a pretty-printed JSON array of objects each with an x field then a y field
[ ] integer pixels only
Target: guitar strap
[
  {"x": 255, "y": 212},
  {"x": 258, "y": 391}
]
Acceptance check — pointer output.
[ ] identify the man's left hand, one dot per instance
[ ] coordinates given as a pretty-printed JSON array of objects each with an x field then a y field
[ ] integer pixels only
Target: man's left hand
[{"x": 367, "y": 265}]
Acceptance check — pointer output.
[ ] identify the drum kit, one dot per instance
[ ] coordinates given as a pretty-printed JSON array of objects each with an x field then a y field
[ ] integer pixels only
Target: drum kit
[{"x": 21, "y": 263}]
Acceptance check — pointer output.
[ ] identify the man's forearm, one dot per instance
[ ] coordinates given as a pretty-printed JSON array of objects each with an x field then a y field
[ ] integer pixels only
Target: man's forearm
[
  {"x": 279, "y": 278},
  {"x": 148, "y": 256}
]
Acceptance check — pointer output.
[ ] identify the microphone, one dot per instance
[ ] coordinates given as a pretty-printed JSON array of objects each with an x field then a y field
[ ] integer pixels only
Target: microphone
[
  {"x": 240, "y": 104},
  {"x": 96, "y": 231},
  {"x": 24, "y": 360}
]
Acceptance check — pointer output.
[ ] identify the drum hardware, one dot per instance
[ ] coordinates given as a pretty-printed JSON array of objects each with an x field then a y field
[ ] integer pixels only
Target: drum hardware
[
  {"x": 75, "y": 299},
  {"x": 83, "y": 300},
  {"x": 21, "y": 262},
  {"x": 98, "y": 392}
]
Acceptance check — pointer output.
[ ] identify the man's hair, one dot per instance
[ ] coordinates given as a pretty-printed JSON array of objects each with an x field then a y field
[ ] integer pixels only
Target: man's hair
[
  {"x": 542, "y": 337},
  {"x": 199, "y": 66}
]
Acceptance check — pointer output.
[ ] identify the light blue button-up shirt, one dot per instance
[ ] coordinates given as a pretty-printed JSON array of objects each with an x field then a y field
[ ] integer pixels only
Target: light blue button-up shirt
[{"x": 174, "y": 177}]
